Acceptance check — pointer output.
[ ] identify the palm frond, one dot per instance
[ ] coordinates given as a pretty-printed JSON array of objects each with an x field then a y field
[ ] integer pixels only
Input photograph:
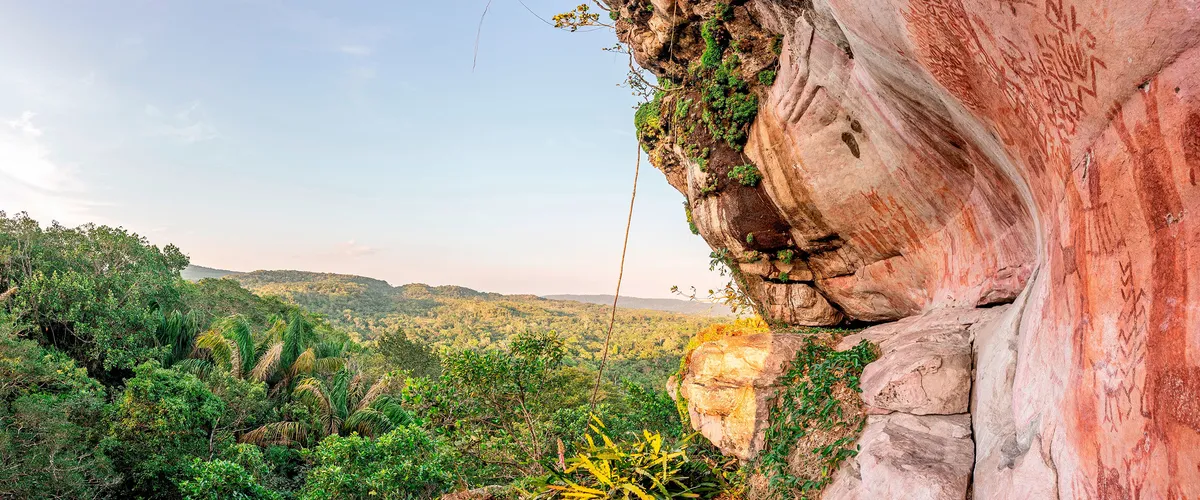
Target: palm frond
[
  {"x": 368, "y": 422},
  {"x": 196, "y": 366},
  {"x": 328, "y": 365},
  {"x": 222, "y": 350},
  {"x": 267, "y": 364},
  {"x": 380, "y": 387},
  {"x": 330, "y": 349},
  {"x": 176, "y": 330},
  {"x": 304, "y": 363},
  {"x": 355, "y": 390},
  {"x": 298, "y": 335},
  {"x": 277, "y": 433},
  {"x": 394, "y": 410},
  {"x": 238, "y": 331},
  {"x": 275, "y": 331},
  {"x": 339, "y": 392},
  {"x": 312, "y": 393}
]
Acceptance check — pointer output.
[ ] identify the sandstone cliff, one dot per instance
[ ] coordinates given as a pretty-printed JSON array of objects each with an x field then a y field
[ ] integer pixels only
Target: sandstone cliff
[{"x": 931, "y": 157}]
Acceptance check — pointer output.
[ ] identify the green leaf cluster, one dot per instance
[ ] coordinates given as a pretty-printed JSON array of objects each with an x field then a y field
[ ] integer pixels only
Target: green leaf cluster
[
  {"x": 748, "y": 175},
  {"x": 406, "y": 463},
  {"x": 808, "y": 406}
]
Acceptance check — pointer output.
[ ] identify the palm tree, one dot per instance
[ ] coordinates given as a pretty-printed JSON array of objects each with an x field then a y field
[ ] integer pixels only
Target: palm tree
[
  {"x": 289, "y": 349},
  {"x": 230, "y": 345},
  {"x": 176, "y": 331},
  {"x": 341, "y": 406},
  {"x": 293, "y": 349}
]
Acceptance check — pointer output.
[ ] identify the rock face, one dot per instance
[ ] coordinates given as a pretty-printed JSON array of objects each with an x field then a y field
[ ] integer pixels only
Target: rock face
[
  {"x": 729, "y": 386},
  {"x": 920, "y": 155},
  {"x": 910, "y": 457},
  {"x": 919, "y": 442},
  {"x": 926, "y": 364}
]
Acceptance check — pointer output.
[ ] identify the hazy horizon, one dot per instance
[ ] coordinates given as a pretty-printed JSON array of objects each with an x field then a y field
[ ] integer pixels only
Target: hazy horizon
[{"x": 355, "y": 139}]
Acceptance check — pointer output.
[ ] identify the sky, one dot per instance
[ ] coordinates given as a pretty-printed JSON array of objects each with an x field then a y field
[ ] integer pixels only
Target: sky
[{"x": 357, "y": 137}]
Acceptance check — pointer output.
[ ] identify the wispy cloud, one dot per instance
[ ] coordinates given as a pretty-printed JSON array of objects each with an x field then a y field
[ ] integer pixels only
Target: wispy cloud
[
  {"x": 354, "y": 249},
  {"x": 355, "y": 50},
  {"x": 31, "y": 180},
  {"x": 189, "y": 124}
]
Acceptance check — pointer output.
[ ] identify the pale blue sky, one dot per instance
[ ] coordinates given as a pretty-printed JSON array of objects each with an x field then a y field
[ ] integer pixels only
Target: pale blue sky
[{"x": 340, "y": 136}]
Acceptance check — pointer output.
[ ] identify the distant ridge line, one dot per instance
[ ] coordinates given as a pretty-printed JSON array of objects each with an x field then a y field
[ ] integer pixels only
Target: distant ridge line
[
  {"x": 197, "y": 273},
  {"x": 665, "y": 305}
]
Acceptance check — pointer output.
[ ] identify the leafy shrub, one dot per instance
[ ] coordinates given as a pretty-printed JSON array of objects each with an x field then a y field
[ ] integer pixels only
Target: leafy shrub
[
  {"x": 647, "y": 121},
  {"x": 682, "y": 108},
  {"x": 160, "y": 423},
  {"x": 496, "y": 407},
  {"x": 714, "y": 43},
  {"x": 687, "y": 210},
  {"x": 747, "y": 175},
  {"x": 51, "y": 417},
  {"x": 731, "y": 106},
  {"x": 777, "y": 45},
  {"x": 414, "y": 357},
  {"x": 221, "y": 480},
  {"x": 93, "y": 291},
  {"x": 406, "y": 463},
  {"x": 767, "y": 77}
]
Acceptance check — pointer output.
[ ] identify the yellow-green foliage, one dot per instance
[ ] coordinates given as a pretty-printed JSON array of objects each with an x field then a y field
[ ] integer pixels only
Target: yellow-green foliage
[
  {"x": 648, "y": 121},
  {"x": 645, "y": 468},
  {"x": 687, "y": 209}
]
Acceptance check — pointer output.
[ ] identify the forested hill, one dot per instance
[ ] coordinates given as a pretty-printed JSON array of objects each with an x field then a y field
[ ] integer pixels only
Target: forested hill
[{"x": 461, "y": 318}]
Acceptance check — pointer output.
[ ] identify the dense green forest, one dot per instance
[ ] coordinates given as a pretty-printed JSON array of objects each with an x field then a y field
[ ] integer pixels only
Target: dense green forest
[
  {"x": 119, "y": 379},
  {"x": 645, "y": 346}
]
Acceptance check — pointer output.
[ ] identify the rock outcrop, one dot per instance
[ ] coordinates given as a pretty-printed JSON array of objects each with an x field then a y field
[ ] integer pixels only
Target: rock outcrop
[
  {"x": 919, "y": 438},
  {"x": 729, "y": 386},
  {"x": 910, "y": 457},
  {"x": 920, "y": 155}
]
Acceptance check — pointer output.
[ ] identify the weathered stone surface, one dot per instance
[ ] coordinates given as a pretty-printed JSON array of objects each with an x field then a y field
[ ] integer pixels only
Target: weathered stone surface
[
  {"x": 925, "y": 363},
  {"x": 795, "y": 303},
  {"x": 729, "y": 385},
  {"x": 921, "y": 379},
  {"x": 909, "y": 457},
  {"x": 928, "y": 154}
]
